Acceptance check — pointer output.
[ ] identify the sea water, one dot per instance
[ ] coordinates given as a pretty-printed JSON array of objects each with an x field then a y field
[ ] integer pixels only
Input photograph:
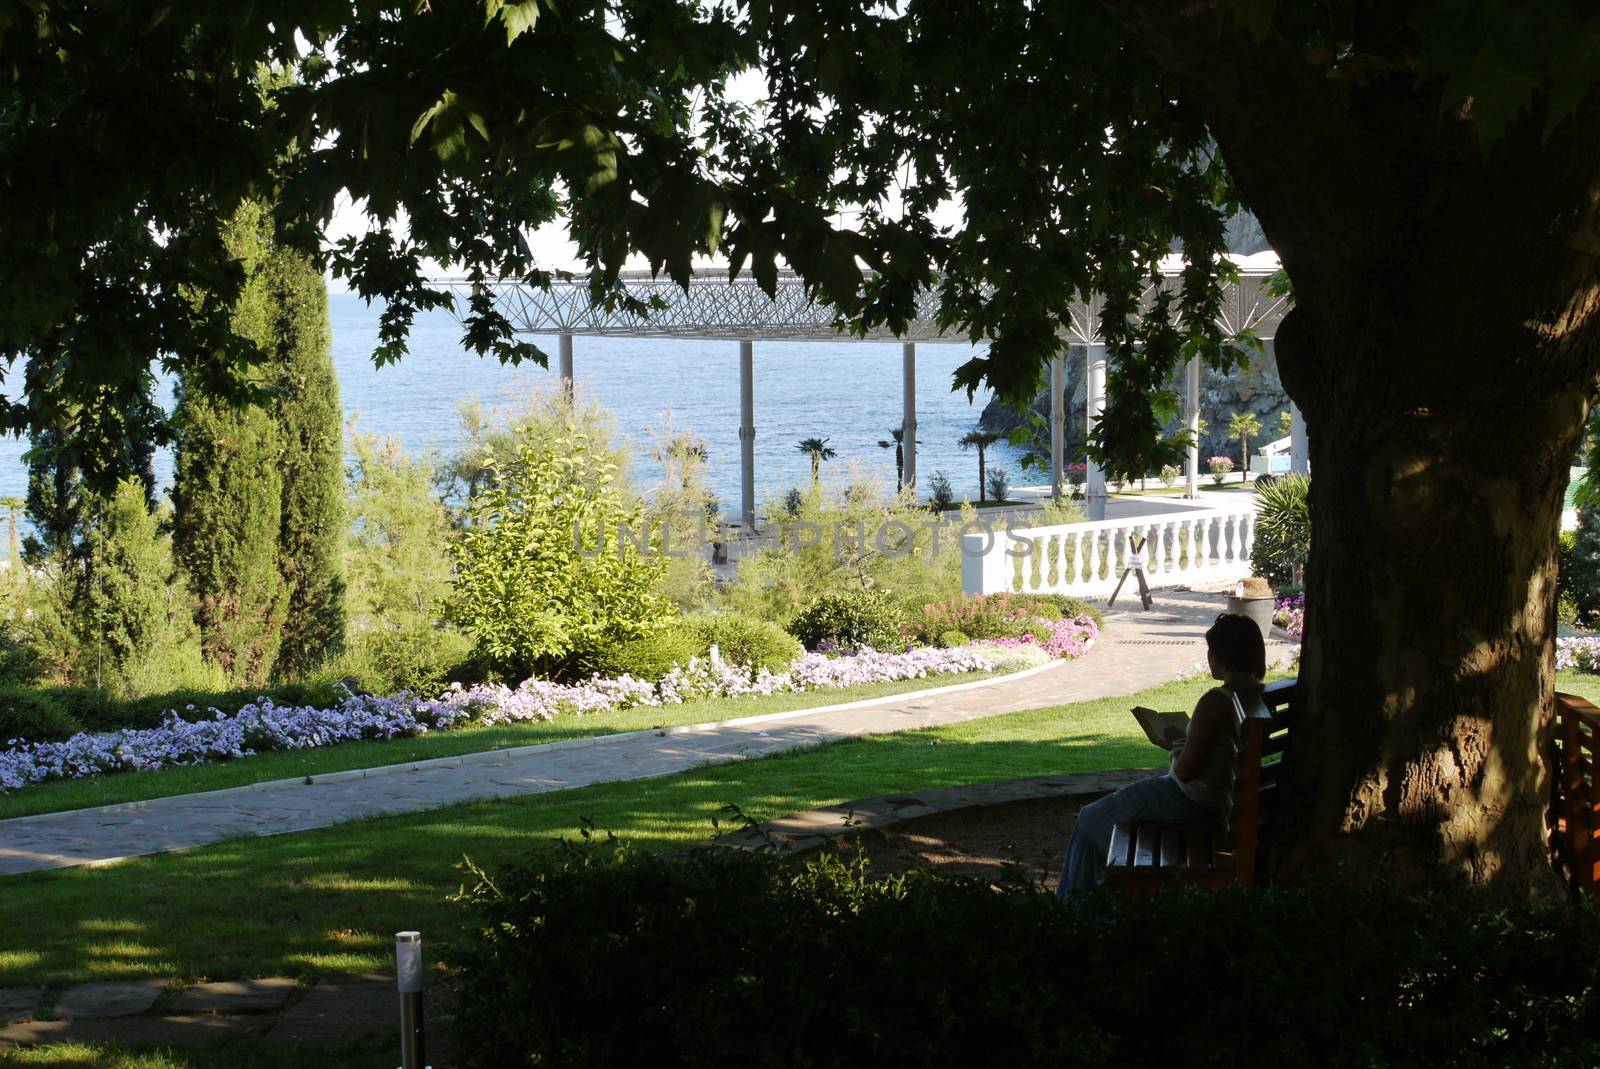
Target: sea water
[{"x": 848, "y": 392}]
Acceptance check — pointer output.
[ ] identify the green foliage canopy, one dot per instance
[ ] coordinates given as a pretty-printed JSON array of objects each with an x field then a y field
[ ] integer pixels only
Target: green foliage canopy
[{"x": 1081, "y": 138}]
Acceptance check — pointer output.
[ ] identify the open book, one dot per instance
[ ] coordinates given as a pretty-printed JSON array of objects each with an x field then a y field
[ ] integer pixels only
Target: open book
[{"x": 1158, "y": 725}]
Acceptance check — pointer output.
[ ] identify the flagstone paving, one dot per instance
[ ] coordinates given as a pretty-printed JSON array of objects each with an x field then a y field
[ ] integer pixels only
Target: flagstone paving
[{"x": 1136, "y": 650}]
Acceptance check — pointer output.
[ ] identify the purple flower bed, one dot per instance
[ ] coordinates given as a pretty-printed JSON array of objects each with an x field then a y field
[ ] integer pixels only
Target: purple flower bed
[
  {"x": 254, "y": 729},
  {"x": 263, "y": 726},
  {"x": 1068, "y": 638},
  {"x": 1578, "y": 654},
  {"x": 709, "y": 677}
]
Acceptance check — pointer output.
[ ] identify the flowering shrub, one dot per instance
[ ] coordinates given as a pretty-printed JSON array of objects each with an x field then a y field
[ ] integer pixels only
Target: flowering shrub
[
  {"x": 1219, "y": 468},
  {"x": 1058, "y": 638},
  {"x": 1290, "y": 614},
  {"x": 263, "y": 726},
  {"x": 1580, "y": 654},
  {"x": 1169, "y": 474},
  {"x": 1077, "y": 473}
]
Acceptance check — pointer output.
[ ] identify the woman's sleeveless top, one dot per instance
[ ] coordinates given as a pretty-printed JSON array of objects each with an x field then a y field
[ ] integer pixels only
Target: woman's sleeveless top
[{"x": 1210, "y": 786}]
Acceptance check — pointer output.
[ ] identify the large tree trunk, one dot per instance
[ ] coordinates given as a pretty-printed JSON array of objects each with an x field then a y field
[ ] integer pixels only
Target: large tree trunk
[
  {"x": 1444, "y": 408},
  {"x": 1444, "y": 349},
  {"x": 1428, "y": 661}
]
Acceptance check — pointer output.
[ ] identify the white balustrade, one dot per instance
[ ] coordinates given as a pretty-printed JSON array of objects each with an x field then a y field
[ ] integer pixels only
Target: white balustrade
[{"x": 1181, "y": 548}]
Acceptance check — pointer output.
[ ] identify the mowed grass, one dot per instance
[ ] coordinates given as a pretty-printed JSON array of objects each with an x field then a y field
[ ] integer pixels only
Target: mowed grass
[
  {"x": 294, "y": 764},
  {"x": 240, "y": 1055},
  {"x": 329, "y": 901}
]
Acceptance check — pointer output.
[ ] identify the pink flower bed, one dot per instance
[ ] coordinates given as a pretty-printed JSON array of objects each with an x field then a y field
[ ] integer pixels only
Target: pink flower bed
[{"x": 1068, "y": 638}]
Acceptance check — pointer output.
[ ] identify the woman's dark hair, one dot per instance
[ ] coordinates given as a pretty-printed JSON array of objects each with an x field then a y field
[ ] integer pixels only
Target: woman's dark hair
[{"x": 1236, "y": 640}]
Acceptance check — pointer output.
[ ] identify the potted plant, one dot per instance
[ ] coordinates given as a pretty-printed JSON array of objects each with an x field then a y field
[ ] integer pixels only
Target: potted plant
[{"x": 1253, "y": 597}]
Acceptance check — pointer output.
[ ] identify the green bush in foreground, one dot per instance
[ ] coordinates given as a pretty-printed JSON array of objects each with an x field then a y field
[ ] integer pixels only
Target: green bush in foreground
[
  {"x": 651, "y": 656},
  {"x": 746, "y": 640},
  {"x": 26, "y": 713},
  {"x": 721, "y": 958},
  {"x": 850, "y": 619}
]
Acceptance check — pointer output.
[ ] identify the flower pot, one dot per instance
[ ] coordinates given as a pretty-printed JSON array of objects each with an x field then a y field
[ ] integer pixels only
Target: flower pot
[{"x": 1258, "y": 609}]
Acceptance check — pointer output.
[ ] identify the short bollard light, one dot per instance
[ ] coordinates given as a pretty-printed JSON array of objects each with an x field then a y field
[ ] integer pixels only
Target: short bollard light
[{"x": 408, "y": 972}]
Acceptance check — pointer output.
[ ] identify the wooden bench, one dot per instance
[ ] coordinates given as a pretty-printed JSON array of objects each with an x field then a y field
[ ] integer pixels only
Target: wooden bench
[
  {"x": 1575, "y": 793},
  {"x": 1145, "y": 855}
]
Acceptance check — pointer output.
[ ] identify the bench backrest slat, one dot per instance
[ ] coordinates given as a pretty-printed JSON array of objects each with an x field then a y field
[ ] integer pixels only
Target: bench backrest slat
[
  {"x": 1255, "y": 779},
  {"x": 1576, "y": 791}
]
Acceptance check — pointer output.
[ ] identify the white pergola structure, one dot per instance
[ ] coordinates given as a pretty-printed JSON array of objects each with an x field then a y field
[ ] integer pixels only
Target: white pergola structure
[{"x": 715, "y": 307}]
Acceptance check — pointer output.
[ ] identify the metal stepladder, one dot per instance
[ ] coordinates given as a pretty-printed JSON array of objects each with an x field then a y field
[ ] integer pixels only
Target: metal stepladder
[{"x": 1134, "y": 566}]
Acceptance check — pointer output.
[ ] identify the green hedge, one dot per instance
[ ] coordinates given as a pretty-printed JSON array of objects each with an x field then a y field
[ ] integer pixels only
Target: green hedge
[
  {"x": 651, "y": 656},
  {"x": 746, "y": 640},
  {"x": 32, "y": 715},
  {"x": 720, "y": 958},
  {"x": 850, "y": 619}
]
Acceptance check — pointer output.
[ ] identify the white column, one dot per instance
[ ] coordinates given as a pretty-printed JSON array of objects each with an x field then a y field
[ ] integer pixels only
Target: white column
[
  {"x": 1058, "y": 422},
  {"x": 1191, "y": 413},
  {"x": 1096, "y": 489},
  {"x": 1299, "y": 448},
  {"x": 908, "y": 422},
  {"x": 566, "y": 365},
  {"x": 747, "y": 434}
]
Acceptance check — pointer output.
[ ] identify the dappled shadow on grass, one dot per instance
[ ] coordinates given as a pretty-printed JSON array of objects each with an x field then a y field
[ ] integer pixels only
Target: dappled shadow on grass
[{"x": 329, "y": 900}]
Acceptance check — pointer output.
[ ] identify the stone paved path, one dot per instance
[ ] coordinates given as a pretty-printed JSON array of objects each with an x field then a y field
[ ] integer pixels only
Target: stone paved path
[
  {"x": 1137, "y": 650},
  {"x": 332, "y": 1012}
]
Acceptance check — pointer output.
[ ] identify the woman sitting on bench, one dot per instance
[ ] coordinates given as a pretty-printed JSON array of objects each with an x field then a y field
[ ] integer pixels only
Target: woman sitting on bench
[{"x": 1192, "y": 789}]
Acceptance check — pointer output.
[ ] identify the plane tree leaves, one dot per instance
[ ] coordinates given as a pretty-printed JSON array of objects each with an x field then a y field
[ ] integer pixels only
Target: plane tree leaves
[{"x": 1077, "y": 153}]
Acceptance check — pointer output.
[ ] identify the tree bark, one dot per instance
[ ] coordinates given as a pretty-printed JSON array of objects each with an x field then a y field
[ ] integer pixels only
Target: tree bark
[{"x": 1444, "y": 350}]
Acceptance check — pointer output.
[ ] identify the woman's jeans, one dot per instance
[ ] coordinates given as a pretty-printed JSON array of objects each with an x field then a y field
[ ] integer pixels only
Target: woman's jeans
[{"x": 1158, "y": 798}]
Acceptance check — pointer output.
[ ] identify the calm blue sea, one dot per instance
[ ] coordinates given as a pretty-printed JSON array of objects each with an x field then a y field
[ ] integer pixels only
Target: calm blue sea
[{"x": 847, "y": 392}]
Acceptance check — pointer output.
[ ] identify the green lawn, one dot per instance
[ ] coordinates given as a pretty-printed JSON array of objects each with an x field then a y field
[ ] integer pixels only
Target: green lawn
[
  {"x": 293, "y": 764},
  {"x": 329, "y": 901},
  {"x": 242, "y": 1055}
]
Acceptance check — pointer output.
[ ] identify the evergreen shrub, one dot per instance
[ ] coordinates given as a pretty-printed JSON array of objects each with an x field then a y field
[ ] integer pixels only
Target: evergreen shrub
[
  {"x": 544, "y": 581},
  {"x": 745, "y": 640},
  {"x": 26, "y": 713},
  {"x": 649, "y": 656},
  {"x": 601, "y": 957},
  {"x": 954, "y": 640},
  {"x": 850, "y": 619},
  {"x": 420, "y": 660}
]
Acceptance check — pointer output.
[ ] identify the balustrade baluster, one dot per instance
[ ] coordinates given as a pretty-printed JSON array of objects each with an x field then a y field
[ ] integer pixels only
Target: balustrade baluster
[
  {"x": 1076, "y": 564},
  {"x": 1094, "y": 557}
]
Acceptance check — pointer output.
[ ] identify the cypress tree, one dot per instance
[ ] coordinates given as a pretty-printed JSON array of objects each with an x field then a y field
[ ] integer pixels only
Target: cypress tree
[
  {"x": 228, "y": 487},
  {"x": 310, "y": 426},
  {"x": 134, "y": 637}
]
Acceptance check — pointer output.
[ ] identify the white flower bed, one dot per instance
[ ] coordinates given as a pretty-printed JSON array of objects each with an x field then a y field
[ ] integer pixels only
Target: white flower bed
[{"x": 263, "y": 726}]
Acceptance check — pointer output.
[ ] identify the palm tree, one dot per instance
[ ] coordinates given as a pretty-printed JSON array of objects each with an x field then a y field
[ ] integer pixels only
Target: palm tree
[
  {"x": 817, "y": 449},
  {"x": 1242, "y": 425},
  {"x": 896, "y": 441},
  {"x": 981, "y": 440}
]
